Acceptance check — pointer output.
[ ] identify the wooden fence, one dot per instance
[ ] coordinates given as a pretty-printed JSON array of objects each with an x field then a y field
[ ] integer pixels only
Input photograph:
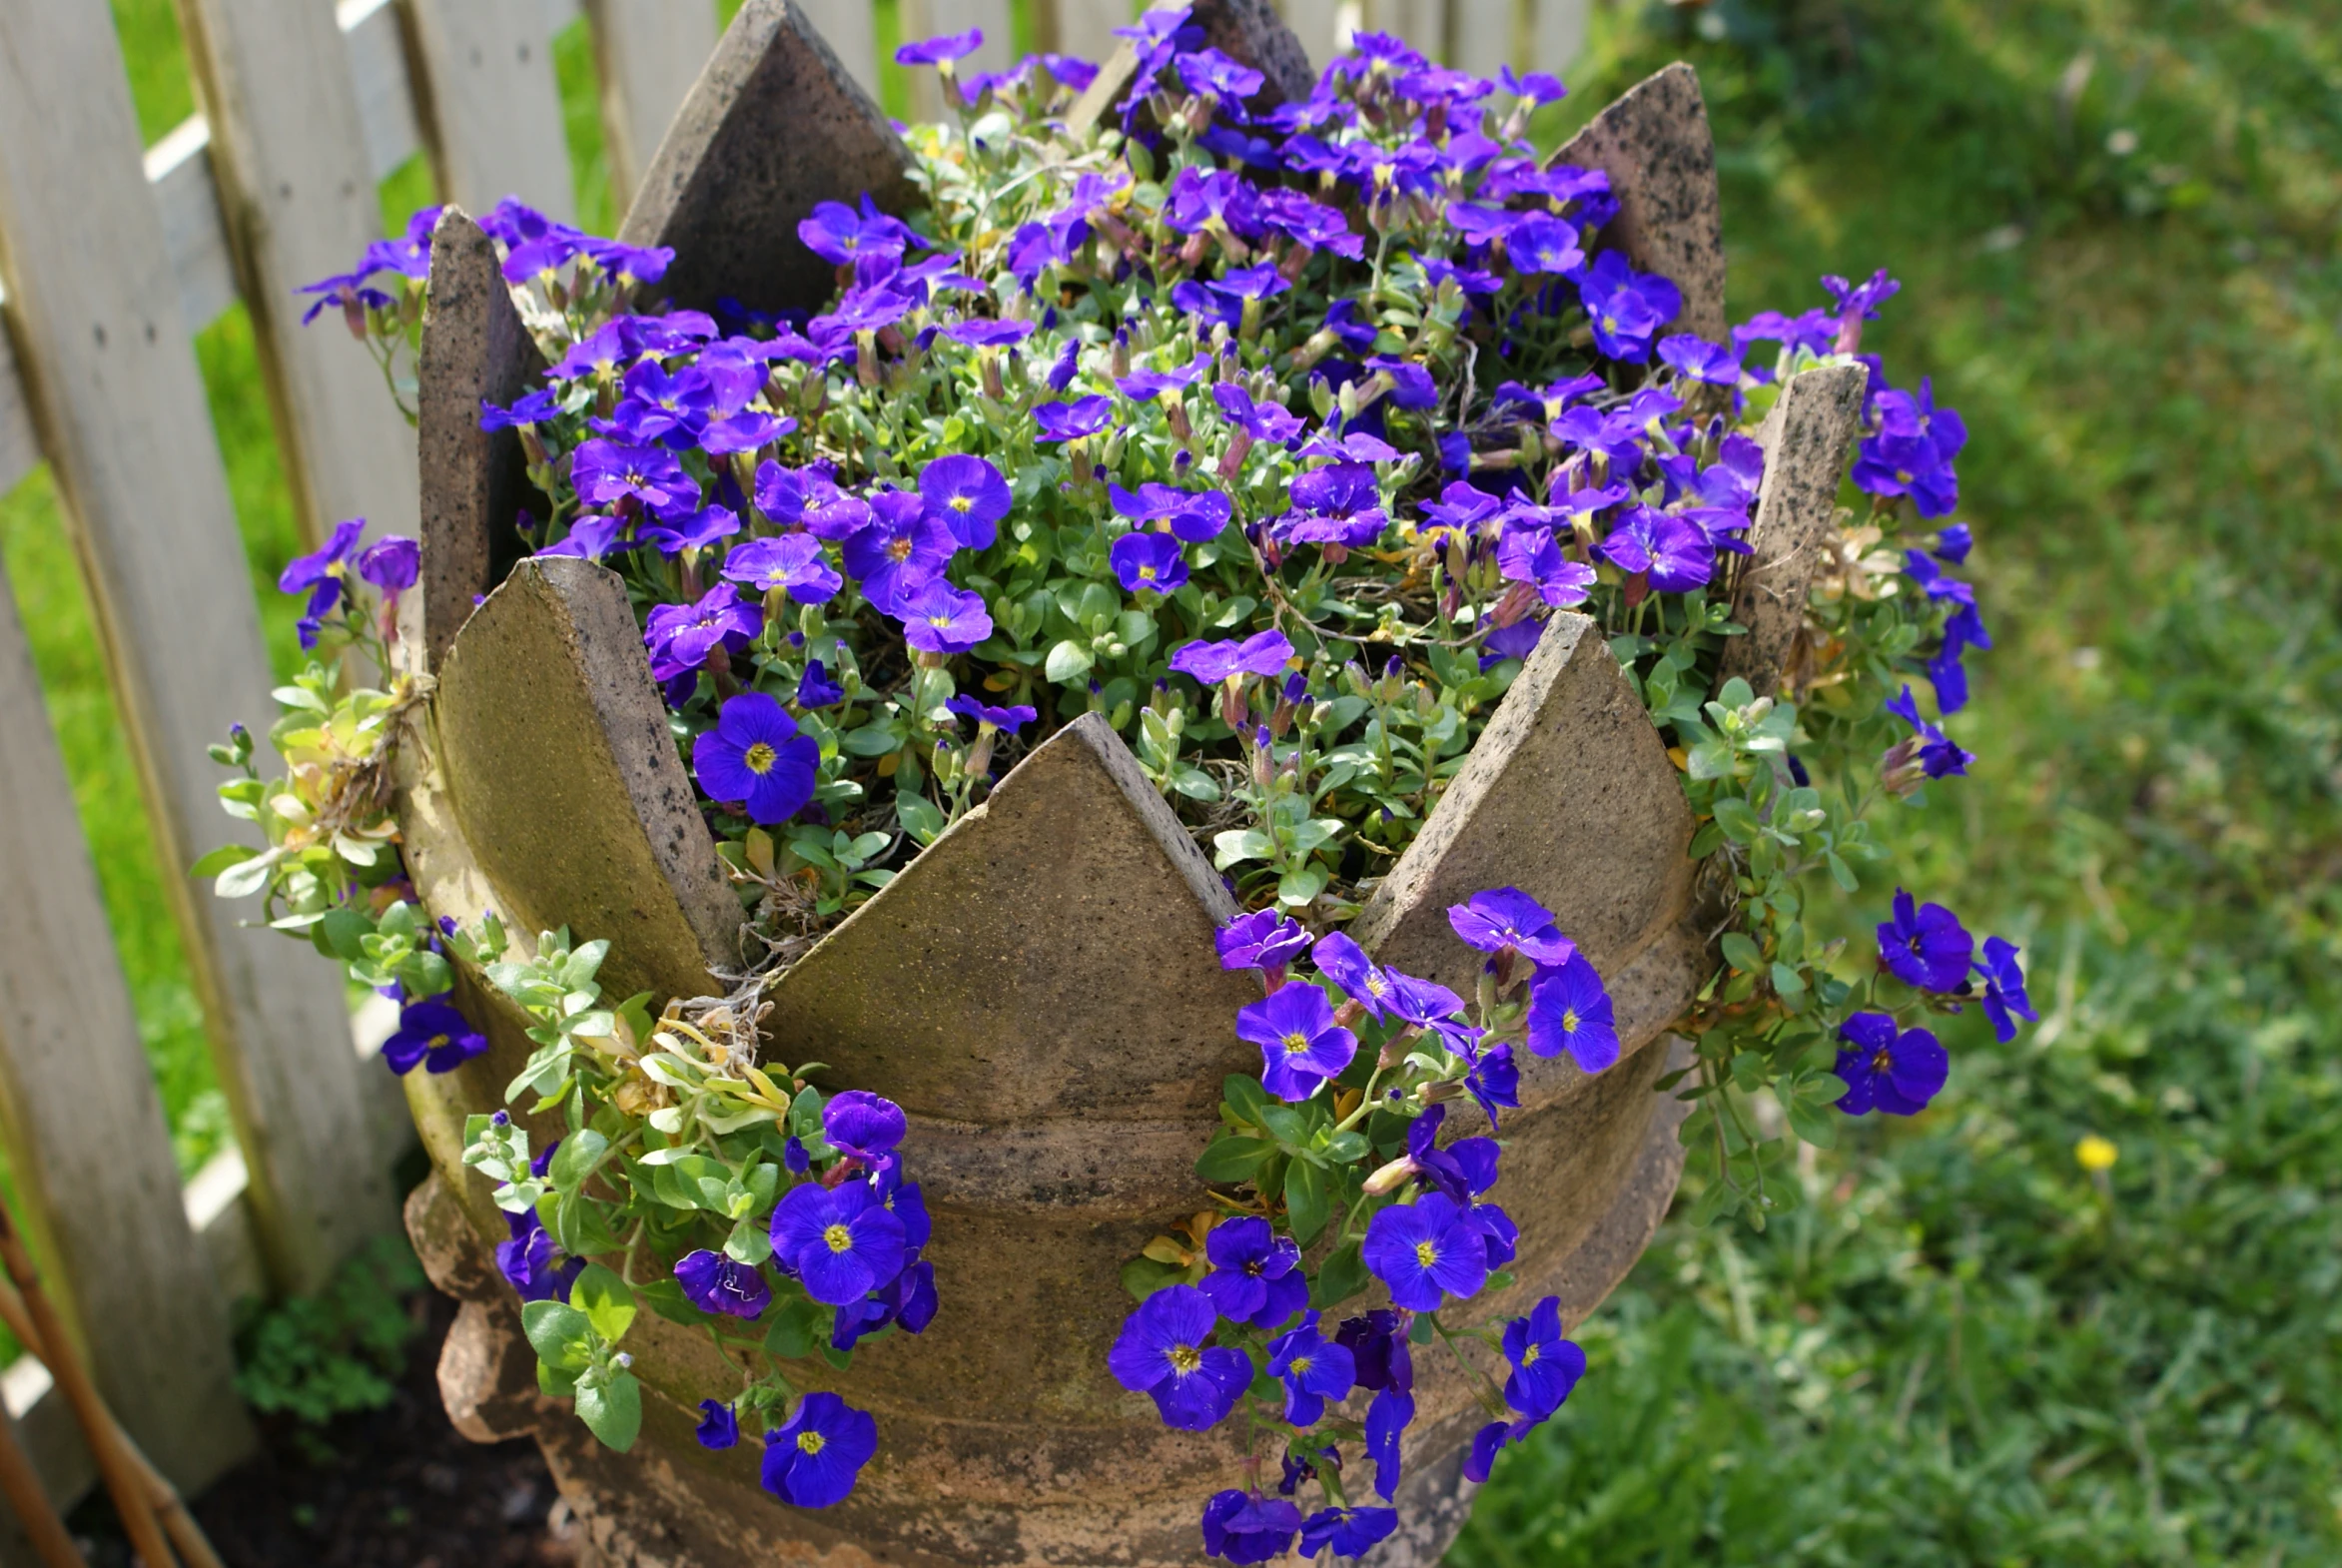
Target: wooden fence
[{"x": 116, "y": 255}]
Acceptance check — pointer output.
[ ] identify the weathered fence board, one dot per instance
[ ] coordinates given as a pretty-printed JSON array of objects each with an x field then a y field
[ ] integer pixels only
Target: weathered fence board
[
  {"x": 491, "y": 111},
  {"x": 88, "y": 1146},
  {"x": 1084, "y": 28},
  {"x": 852, "y": 31},
  {"x": 297, "y": 192},
  {"x": 649, "y": 53},
  {"x": 121, "y": 408}
]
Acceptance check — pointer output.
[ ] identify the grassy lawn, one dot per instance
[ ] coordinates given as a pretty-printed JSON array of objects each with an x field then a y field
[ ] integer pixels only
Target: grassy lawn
[{"x": 2115, "y": 221}]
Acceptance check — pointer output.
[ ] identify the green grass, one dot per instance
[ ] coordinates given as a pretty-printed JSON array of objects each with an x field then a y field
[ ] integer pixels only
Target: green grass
[{"x": 1962, "y": 1350}]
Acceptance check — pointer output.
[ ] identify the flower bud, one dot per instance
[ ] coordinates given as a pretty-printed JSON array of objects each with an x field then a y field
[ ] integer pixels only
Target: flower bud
[{"x": 1391, "y": 1177}]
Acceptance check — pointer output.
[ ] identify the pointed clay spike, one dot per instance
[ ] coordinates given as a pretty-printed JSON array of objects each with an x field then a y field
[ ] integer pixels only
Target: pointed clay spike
[
  {"x": 1050, "y": 956},
  {"x": 1569, "y": 796},
  {"x": 773, "y": 125},
  {"x": 1247, "y": 31},
  {"x": 1805, "y": 439},
  {"x": 1655, "y": 144},
  {"x": 565, "y": 784},
  {"x": 474, "y": 481}
]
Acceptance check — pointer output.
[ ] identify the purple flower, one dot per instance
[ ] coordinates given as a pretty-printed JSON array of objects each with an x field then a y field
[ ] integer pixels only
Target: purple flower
[
  {"x": 1211, "y": 74},
  {"x": 1421, "y": 1003},
  {"x": 1625, "y": 308},
  {"x": 941, "y": 48},
  {"x": 1696, "y": 359},
  {"x": 841, "y": 1241},
  {"x": 1888, "y": 1069},
  {"x": 969, "y": 494},
  {"x": 1675, "y": 552},
  {"x": 2004, "y": 992},
  {"x": 1463, "y": 1170},
  {"x": 903, "y": 547},
  {"x": 1926, "y": 947},
  {"x": 1245, "y": 1527},
  {"x": 1378, "y": 1342},
  {"x": 1162, "y": 1352},
  {"x": 858, "y": 1122},
  {"x": 1348, "y": 1532},
  {"x": 1263, "y": 653},
  {"x": 1154, "y": 562},
  {"x": 1506, "y": 919},
  {"x": 391, "y": 563},
  {"x": 1569, "y": 1010},
  {"x": 1937, "y": 754},
  {"x": 837, "y": 232},
  {"x": 1487, "y": 1442},
  {"x": 1341, "y": 504},
  {"x": 715, "y": 1284},
  {"x": 1343, "y": 962},
  {"x": 1141, "y": 386},
  {"x": 815, "y": 689},
  {"x": 1425, "y": 1249},
  {"x": 1266, "y": 421},
  {"x": 533, "y": 409},
  {"x": 526, "y": 1260},
  {"x": 1300, "y": 1043},
  {"x": 1312, "y": 1369},
  {"x": 434, "y": 1033},
  {"x": 985, "y": 333},
  {"x": 1545, "y": 1366},
  {"x": 320, "y": 574},
  {"x": 814, "y": 1460},
  {"x": 682, "y": 530},
  {"x": 1066, "y": 422},
  {"x": 1953, "y": 543},
  {"x": 792, "y": 563},
  {"x": 606, "y": 472},
  {"x": 938, "y": 618},
  {"x": 681, "y": 636},
  {"x": 1494, "y": 1078},
  {"x": 720, "y": 1426},
  {"x": 1010, "y": 719},
  {"x": 1263, "y": 939},
  {"x": 1255, "y": 1274},
  {"x": 755, "y": 758},
  {"x": 1541, "y": 243},
  {"x": 1387, "y": 1418},
  {"x": 1528, "y": 555},
  {"x": 1197, "y": 517}
]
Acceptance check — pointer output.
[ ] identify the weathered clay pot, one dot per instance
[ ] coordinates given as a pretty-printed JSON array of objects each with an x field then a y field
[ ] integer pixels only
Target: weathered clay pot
[{"x": 1039, "y": 990}]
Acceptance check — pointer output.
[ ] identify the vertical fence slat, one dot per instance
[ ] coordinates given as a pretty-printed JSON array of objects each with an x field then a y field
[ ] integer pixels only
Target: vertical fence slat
[
  {"x": 925, "y": 17},
  {"x": 112, "y": 377},
  {"x": 1313, "y": 22},
  {"x": 297, "y": 192},
  {"x": 1084, "y": 28},
  {"x": 1482, "y": 34},
  {"x": 491, "y": 112},
  {"x": 649, "y": 53},
  {"x": 850, "y": 28},
  {"x": 1559, "y": 36},
  {"x": 1423, "y": 23},
  {"x": 85, "y": 1133}
]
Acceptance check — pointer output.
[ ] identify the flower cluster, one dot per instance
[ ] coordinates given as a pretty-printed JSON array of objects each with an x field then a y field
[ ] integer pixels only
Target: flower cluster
[
  {"x": 1277, "y": 436},
  {"x": 1336, "y": 1151}
]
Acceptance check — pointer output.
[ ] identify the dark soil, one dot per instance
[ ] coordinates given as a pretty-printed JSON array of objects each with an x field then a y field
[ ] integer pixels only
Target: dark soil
[{"x": 391, "y": 1488}]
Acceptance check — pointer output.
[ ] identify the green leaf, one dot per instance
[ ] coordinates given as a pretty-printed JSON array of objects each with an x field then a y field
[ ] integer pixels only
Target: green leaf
[
  {"x": 666, "y": 1297},
  {"x": 1234, "y": 1158},
  {"x": 1814, "y": 1124},
  {"x": 1342, "y": 1276},
  {"x": 801, "y": 1326},
  {"x": 577, "y": 1156},
  {"x": 561, "y": 1334},
  {"x": 221, "y": 859},
  {"x": 244, "y": 877},
  {"x": 1244, "y": 1095},
  {"x": 1740, "y": 953},
  {"x": 1736, "y": 818},
  {"x": 1239, "y": 845},
  {"x": 554, "y": 1383},
  {"x": 341, "y": 931},
  {"x": 1843, "y": 874},
  {"x": 613, "y": 1410},
  {"x": 921, "y": 817},
  {"x": 606, "y": 1300},
  {"x": 1143, "y": 1277},
  {"x": 1306, "y": 1210},
  {"x": 871, "y": 740},
  {"x": 1067, "y": 662}
]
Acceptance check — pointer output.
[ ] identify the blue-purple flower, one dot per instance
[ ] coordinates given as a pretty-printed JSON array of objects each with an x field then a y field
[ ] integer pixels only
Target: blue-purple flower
[
  {"x": 1501, "y": 920},
  {"x": 719, "y": 1425},
  {"x": 1424, "y": 1249},
  {"x": 858, "y": 1122},
  {"x": 1674, "y": 552},
  {"x": 1887, "y": 1069},
  {"x": 1300, "y": 1043},
  {"x": 2004, "y": 994},
  {"x": 1625, "y": 308},
  {"x": 938, "y": 618},
  {"x": 1245, "y": 1527},
  {"x": 434, "y": 1036},
  {"x": 1263, "y": 653},
  {"x": 1312, "y": 1368},
  {"x": 1266, "y": 939},
  {"x": 1928, "y": 753},
  {"x": 1162, "y": 1351},
  {"x": 716, "y": 1283},
  {"x": 1570, "y": 1010},
  {"x": 1387, "y": 1418},
  {"x": 814, "y": 1460},
  {"x": 1545, "y": 1366},
  {"x": 1255, "y": 1275},
  {"x": 756, "y": 758},
  {"x": 841, "y": 1243},
  {"x": 1066, "y": 422},
  {"x": 1150, "y": 562},
  {"x": 681, "y": 636},
  {"x": 969, "y": 494},
  {"x": 1010, "y": 719},
  {"x": 1347, "y": 1533},
  {"x": 792, "y": 564},
  {"x": 940, "y": 49},
  {"x": 1925, "y": 946}
]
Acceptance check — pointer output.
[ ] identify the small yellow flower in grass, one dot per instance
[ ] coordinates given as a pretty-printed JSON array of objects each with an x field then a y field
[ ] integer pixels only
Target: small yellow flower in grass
[{"x": 2094, "y": 1153}]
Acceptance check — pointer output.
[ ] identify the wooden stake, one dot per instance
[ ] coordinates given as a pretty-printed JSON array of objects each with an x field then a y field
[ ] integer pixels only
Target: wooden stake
[
  {"x": 97, "y": 1424},
  {"x": 177, "y": 1523},
  {"x": 35, "y": 1514}
]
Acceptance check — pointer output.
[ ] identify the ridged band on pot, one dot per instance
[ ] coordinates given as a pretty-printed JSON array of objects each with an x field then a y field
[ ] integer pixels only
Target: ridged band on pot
[{"x": 1039, "y": 990}]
